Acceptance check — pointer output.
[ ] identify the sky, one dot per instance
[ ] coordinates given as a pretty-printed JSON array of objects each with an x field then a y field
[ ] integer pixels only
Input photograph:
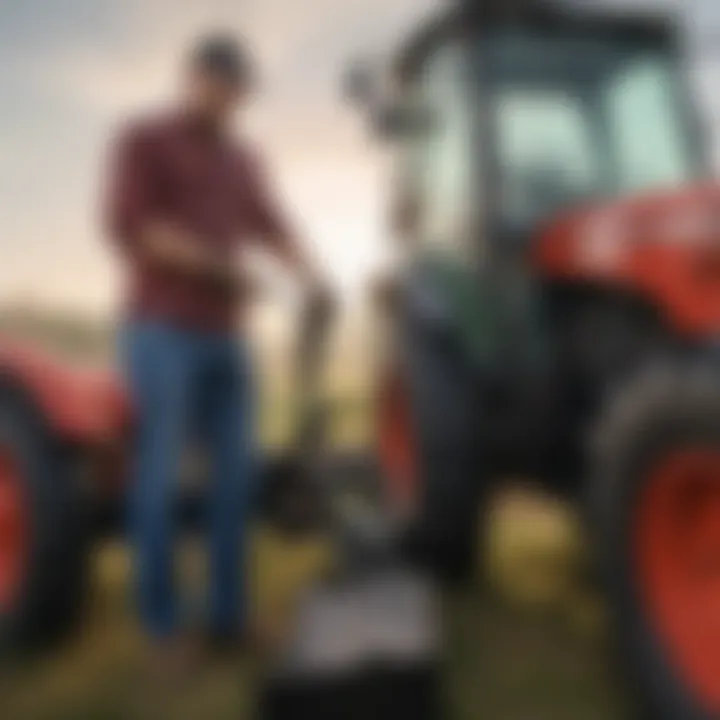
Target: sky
[{"x": 71, "y": 69}]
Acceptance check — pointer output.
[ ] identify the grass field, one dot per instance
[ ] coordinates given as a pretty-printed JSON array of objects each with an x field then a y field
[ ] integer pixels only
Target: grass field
[{"x": 532, "y": 648}]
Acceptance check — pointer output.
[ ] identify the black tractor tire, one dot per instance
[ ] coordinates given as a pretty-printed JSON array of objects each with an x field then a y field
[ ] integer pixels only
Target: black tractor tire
[
  {"x": 51, "y": 589},
  {"x": 446, "y": 532},
  {"x": 665, "y": 410}
]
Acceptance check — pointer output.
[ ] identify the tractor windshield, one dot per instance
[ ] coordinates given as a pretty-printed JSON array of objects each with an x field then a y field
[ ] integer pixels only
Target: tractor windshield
[{"x": 577, "y": 119}]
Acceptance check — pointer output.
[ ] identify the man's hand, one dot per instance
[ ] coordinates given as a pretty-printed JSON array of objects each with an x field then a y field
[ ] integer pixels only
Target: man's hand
[{"x": 167, "y": 245}]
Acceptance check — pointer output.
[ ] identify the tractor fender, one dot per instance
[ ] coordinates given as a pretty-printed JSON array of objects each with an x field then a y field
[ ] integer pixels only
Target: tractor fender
[{"x": 86, "y": 407}]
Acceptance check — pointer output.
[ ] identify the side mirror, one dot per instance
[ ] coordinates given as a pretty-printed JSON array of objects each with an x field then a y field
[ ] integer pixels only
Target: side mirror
[
  {"x": 389, "y": 122},
  {"x": 399, "y": 120},
  {"x": 389, "y": 115},
  {"x": 358, "y": 84}
]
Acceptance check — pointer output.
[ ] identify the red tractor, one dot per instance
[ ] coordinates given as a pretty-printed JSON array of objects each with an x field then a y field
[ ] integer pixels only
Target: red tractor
[
  {"x": 63, "y": 438},
  {"x": 558, "y": 313}
]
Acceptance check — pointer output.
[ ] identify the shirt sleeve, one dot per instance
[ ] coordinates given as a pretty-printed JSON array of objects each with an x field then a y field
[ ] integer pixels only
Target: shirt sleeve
[{"x": 132, "y": 190}]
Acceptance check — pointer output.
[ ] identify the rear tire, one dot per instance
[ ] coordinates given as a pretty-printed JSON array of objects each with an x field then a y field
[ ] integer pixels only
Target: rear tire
[
  {"x": 656, "y": 438},
  {"x": 47, "y": 594}
]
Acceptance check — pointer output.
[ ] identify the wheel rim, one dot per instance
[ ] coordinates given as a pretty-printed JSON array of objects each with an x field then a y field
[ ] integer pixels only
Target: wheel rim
[
  {"x": 398, "y": 449},
  {"x": 679, "y": 563},
  {"x": 13, "y": 546}
]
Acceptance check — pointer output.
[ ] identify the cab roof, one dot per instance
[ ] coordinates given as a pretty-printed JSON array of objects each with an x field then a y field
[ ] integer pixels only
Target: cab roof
[{"x": 466, "y": 17}]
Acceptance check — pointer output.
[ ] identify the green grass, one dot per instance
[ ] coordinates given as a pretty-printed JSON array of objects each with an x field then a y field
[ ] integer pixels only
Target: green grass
[{"x": 533, "y": 647}]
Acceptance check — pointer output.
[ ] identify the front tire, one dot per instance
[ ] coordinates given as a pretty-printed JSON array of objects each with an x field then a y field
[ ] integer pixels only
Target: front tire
[
  {"x": 43, "y": 529},
  {"x": 655, "y": 503},
  {"x": 430, "y": 463}
]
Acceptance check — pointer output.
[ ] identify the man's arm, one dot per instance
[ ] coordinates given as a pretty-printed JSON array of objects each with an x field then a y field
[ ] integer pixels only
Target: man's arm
[
  {"x": 134, "y": 214},
  {"x": 272, "y": 229}
]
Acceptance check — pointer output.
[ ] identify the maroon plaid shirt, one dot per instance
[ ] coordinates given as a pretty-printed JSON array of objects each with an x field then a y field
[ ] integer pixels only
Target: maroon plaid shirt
[{"x": 172, "y": 169}]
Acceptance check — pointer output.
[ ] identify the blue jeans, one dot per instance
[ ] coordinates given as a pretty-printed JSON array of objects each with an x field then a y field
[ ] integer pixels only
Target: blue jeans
[{"x": 189, "y": 385}]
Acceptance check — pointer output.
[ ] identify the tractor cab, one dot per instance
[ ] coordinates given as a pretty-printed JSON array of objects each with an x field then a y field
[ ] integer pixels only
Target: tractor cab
[
  {"x": 549, "y": 155},
  {"x": 505, "y": 115}
]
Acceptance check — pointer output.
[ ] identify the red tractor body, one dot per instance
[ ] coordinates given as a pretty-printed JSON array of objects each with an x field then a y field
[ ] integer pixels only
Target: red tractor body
[{"x": 662, "y": 248}]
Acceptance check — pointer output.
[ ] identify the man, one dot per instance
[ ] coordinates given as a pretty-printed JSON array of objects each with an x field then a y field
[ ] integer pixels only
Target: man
[{"x": 184, "y": 198}]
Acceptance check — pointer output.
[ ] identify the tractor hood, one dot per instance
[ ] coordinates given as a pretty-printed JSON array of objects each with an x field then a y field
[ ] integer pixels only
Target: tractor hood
[{"x": 663, "y": 247}]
